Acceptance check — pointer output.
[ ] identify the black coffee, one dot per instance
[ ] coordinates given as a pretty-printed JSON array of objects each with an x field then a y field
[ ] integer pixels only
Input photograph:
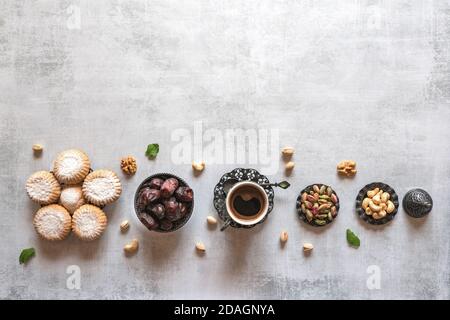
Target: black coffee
[
  {"x": 247, "y": 208},
  {"x": 247, "y": 202}
]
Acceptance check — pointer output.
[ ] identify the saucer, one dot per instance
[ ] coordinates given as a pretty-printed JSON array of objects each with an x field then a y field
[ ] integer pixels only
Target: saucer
[{"x": 226, "y": 183}]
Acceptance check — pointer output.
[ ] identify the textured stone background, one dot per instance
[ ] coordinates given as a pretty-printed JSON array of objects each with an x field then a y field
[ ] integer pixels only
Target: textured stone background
[{"x": 367, "y": 80}]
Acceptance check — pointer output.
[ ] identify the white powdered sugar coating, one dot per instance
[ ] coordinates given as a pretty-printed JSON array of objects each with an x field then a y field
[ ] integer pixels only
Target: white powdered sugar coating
[
  {"x": 51, "y": 223},
  {"x": 101, "y": 188},
  {"x": 72, "y": 198},
  {"x": 40, "y": 188},
  {"x": 87, "y": 224},
  {"x": 70, "y": 163}
]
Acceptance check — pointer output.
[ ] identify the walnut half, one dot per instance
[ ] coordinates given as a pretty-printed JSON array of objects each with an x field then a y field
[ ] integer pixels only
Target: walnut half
[
  {"x": 128, "y": 165},
  {"x": 347, "y": 168}
]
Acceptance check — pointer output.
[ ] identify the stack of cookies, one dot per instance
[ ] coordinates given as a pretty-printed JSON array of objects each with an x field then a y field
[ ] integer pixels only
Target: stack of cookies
[{"x": 72, "y": 197}]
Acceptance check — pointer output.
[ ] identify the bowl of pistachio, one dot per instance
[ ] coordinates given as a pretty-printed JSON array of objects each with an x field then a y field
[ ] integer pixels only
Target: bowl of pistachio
[{"x": 318, "y": 205}]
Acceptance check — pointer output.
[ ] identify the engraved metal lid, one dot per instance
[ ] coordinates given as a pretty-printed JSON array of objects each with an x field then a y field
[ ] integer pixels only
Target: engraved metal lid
[{"x": 417, "y": 203}]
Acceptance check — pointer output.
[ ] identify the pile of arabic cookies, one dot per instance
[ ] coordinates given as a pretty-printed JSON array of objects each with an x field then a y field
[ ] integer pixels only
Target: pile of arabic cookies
[{"x": 72, "y": 197}]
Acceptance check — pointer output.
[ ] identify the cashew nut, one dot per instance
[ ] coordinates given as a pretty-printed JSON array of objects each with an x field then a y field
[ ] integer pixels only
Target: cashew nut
[
  {"x": 365, "y": 203},
  {"x": 376, "y": 199},
  {"x": 287, "y": 152},
  {"x": 131, "y": 247},
  {"x": 376, "y": 216},
  {"x": 198, "y": 166},
  {"x": 373, "y": 192},
  {"x": 390, "y": 207},
  {"x": 37, "y": 148},
  {"x": 368, "y": 211},
  {"x": 385, "y": 197},
  {"x": 374, "y": 207},
  {"x": 290, "y": 165}
]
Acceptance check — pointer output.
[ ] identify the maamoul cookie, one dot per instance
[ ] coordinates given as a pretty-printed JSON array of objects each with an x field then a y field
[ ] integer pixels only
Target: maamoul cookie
[
  {"x": 72, "y": 198},
  {"x": 52, "y": 222},
  {"x": 88, "y": 222},
  {"x": 101, "y": 187},
  {"x": 43, "y": 188},
  {"x": 71, "y": 166}
]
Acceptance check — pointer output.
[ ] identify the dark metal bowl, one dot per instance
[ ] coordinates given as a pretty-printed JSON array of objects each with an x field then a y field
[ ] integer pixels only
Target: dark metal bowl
[
  {"x": 363, "y": 193},
  {"x": 302, "y": 216},
  {"x": 177, "y": 224}
]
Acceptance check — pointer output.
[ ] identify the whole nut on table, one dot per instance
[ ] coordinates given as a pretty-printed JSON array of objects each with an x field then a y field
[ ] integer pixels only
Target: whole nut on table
[
  {"x": 307, "y": 247},
  {"x": 124, "y": 226},
  {"x": 198, "y": 166},
  {"x": 37, "y": 148},
  {"x": 211, "y": 220},
  {"x": 200, "y": 246},
  {"x": 347, "y": 168},
  {"x": 284, "y": 236},
  {"x": 287, "y": 152},
  {"x": 290, "y": 165},
  {"x": 131, "y": 247},
  {"x": 128, "y": 165}
]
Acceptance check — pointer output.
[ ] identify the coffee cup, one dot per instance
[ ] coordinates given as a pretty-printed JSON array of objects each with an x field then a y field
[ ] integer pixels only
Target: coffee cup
[{"x": 247, "y": 204}]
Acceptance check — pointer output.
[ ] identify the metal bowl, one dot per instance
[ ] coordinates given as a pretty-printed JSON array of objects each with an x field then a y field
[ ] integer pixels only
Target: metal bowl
[
  {"x": 300, "y": 213},
  {"x": 176, "y": 224},
  {"x": 362, "y": 194}
]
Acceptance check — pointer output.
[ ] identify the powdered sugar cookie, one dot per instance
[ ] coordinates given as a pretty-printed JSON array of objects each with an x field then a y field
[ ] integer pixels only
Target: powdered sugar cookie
[
  {"x": 71, "y": 166},
  {"x": 72, "y": 198},
  {"x": 43, "y": 188},
  {"x": 52, "y": 222},
  {"x": 89, "y": 222},
  {"x": 101, "y": 187}
]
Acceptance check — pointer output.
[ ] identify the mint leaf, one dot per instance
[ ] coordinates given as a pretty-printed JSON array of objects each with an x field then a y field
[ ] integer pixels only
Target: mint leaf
[
  {"x": 26, "y": 255},
  {"x": 353, "y": 239},
  {"x": 152, "y": 150},
  {"x": 284, "y": 184}
]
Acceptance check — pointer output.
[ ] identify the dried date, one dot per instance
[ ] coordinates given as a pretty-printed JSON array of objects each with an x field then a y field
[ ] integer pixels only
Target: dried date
[
  {"x": 168, "y": 187},
  {"x": 156, "y": 183},
  {"x": 184, "y": 194},
  {"x": 158, "y": 211}
]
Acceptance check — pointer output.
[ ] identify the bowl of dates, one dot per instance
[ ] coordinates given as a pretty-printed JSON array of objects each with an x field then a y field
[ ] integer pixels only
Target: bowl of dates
[{"x": 164, "y": 202}]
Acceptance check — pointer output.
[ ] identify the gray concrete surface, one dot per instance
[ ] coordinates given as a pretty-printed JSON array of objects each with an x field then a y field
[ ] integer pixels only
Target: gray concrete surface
[{"x": 365, "y": 80}]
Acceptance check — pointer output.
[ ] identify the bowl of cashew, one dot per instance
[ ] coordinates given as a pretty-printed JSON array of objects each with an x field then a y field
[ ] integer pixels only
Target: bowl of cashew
[{"x": 377, "y": 203}]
